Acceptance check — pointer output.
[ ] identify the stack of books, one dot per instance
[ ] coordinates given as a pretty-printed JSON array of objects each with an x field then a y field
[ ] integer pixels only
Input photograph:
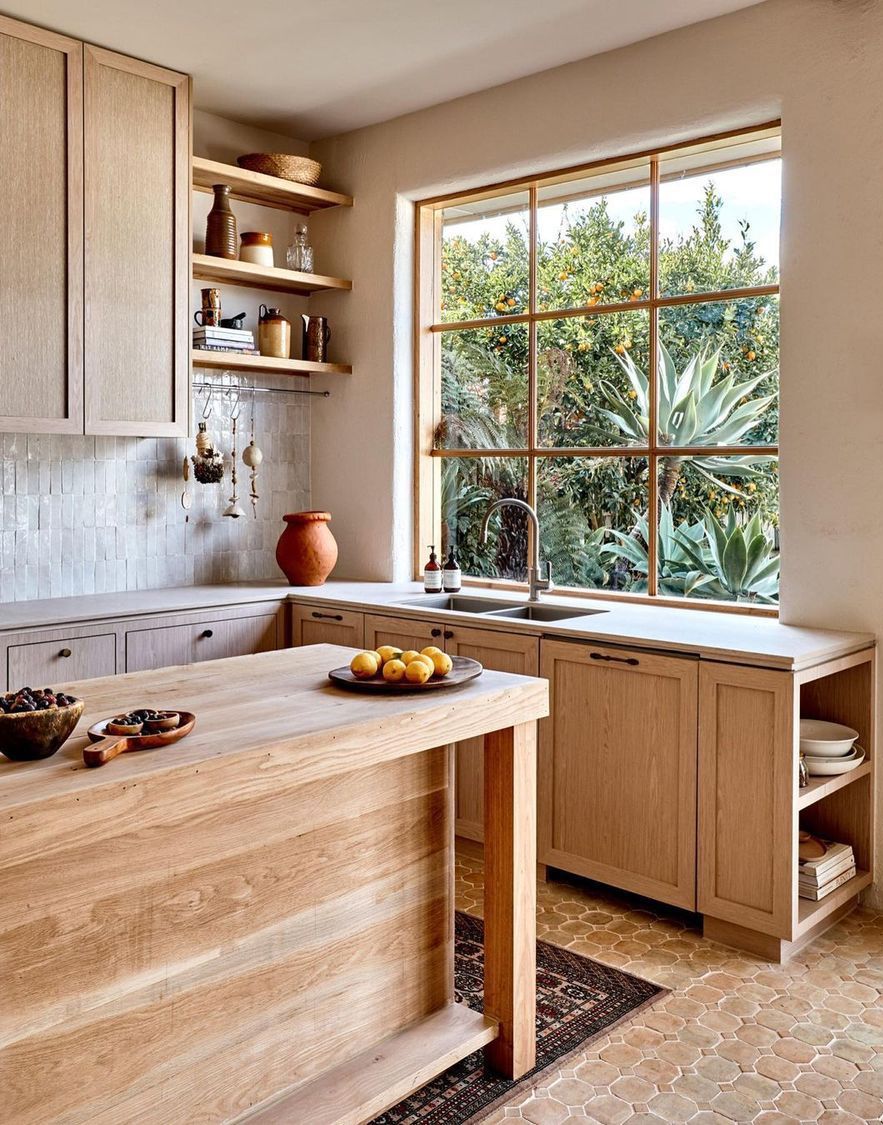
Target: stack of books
[
  {"x": 224, "y": 340},
  {"x": 819, "y": 877}
]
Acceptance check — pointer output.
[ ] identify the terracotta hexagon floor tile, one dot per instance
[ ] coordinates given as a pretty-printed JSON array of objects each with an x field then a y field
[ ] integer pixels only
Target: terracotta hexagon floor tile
[
  {"x": 596, "y": 1073},
  {"x": 672, "y": 1107},
  {"x": 777, "y": 1068},
  {"x": 818, "y": 1086},
  {"x": 795, "y": 1050},
  {"x": 657, "y": 1071},
  {"x": 717, "y": 1069},
  {"x": 755, "y": 1086},
  {"x": 801, "y": 1106},
  {"x": 608, "y": 1109},
  {"x": 544, "y": 1111},
  {"x": 621, "y": 1055},
  {"x": 871, "y": 1082},
  {"x": 633, "y": 1089},
  {"x": 695, "y": 1088},
  {"x": 865, "y": 1106},
  {"x": 735, "y": 1107}
]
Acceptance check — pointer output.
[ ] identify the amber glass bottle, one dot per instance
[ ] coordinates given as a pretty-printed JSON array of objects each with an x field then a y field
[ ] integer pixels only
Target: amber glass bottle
[{"x": 432, "y": 574}]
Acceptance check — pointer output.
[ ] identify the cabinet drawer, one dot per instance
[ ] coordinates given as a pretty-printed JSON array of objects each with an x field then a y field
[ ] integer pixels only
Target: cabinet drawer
[
  {"x": 323, "y": 624},
  {"x": 168, "y": 645},
  {"x": 49, "y": 663}
]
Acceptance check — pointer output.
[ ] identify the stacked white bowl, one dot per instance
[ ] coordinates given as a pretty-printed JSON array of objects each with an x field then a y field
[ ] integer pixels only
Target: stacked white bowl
[{"x": 829, "y": 748}]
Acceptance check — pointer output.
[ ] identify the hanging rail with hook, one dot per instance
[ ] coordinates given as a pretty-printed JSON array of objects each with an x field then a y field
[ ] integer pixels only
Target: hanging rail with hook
[{"x": 224, "y": 387}]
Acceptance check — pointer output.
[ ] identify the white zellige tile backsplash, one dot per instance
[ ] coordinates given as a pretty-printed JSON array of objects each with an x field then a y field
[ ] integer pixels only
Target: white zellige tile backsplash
[{"x": 88, "y": 515}]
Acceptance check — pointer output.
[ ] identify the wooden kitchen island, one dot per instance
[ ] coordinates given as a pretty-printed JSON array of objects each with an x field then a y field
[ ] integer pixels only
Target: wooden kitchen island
[{"x": 257, "y": 922}]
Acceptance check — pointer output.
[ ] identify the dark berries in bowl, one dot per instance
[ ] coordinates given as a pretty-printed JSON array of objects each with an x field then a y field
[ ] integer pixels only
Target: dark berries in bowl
[{"x": 35, "y": 722}]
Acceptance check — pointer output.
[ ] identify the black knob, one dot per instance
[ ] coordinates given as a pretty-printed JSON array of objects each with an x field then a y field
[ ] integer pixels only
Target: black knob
[
  {"x": 436, "y": 632},
  {"x": 65, "y": 652},
  {"x": 207, "y": 633},
  {"x": 448, "y": 634}
]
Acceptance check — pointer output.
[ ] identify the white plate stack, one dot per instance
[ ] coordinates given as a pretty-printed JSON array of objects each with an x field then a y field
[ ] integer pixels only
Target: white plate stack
[{"x": 829, "y": 748}]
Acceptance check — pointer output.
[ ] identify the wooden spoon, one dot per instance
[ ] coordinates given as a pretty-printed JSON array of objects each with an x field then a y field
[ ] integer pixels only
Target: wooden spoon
[{"x": 109, "y": 746}]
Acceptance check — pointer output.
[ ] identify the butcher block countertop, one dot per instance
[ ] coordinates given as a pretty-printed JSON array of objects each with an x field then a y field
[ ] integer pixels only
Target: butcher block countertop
[
  {"x": 280, "y": 704},
  {"x": 261, "y": 915}
]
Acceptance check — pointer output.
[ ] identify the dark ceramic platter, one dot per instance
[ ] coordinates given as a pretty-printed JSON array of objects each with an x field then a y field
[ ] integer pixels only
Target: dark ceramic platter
[{"x": 464, "y": 670}]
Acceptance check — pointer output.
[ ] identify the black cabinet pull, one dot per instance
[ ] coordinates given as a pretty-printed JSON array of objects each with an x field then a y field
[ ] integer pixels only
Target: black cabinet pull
[
  {"x": 617, "y": 659},
  {"x": 65, "y": 652},
  {"x": 327, "y": 616},
  {"x": 448, "y": 634},
  {"x": 207, "y": 633},
  {"x": 435, "y": 632}
]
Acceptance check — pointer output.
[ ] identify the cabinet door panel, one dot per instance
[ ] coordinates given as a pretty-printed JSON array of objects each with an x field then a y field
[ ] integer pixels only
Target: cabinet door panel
[
  {"x": 747, "y": 781},
  {"x": 169, "y": 645},
  {"x": 137, "y": 207},
  {"x": 320, "y": 625},
  {"x": 618, "y": 769},
  {"x": 501, "y": 652},
  {"x": 402, "y": 632},
  {"x": 41, "y": 236},
  {"x": 62, "y": 661}
]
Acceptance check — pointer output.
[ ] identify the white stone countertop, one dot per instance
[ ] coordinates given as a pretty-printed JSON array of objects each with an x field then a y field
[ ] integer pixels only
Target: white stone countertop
[{"x": 733, "y": 637}]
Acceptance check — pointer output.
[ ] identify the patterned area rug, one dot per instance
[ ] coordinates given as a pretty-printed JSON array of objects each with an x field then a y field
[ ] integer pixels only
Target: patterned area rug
[{"x": 577, "y": 1000}]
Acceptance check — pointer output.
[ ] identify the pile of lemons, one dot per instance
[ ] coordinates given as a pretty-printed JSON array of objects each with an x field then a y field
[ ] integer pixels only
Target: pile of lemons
[{"x": 394, "y": 664}]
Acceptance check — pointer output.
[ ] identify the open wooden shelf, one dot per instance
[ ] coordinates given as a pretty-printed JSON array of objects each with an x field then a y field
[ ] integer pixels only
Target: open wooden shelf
[
  {"x": 820, "y": 787},
  {"x": 233, "y": 361},
  {"x": 362, "y": 1087},
  {"x": 810, "y": 913},
  {"x": 223, "y": 271},
  {"x": 269, "y": 191}
]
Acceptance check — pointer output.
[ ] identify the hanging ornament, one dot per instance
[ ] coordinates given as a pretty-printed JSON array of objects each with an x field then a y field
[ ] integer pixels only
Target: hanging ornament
[
  {"x": 234, "y": 509},
  {"x": 186, "y": 498},
  {"x": 208, "y": 464},
  {"x": 252, "y": 456}
]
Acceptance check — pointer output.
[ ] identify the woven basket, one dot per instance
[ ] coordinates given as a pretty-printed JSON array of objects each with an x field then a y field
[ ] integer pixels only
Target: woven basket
[{"x": 298, "y": 169}]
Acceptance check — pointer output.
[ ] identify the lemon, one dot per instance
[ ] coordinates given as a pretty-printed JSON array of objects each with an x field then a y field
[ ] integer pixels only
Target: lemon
[
  {"x": 443, "y": 663},
  {"x": 427, "y": 660},
  {"x": 364, "y": 665},
  {"x": 393, "y": 671},
  {"x": 431, "y": 650},
  {"x": 389, "y": 652},
  {"x": 418, "y": 672},
  {"x": 409, "y": 655}
]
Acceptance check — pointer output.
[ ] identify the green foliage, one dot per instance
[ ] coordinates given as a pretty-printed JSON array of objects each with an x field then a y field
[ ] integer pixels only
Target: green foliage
[
  {"x": 719, "y": 380},
  {"x": 732, "y": 561}
]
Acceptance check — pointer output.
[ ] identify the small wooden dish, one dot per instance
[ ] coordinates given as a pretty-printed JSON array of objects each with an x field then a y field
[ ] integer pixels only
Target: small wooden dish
[
  {"x": 108, "y": 746},
  {"x": 464, "y": 669}
]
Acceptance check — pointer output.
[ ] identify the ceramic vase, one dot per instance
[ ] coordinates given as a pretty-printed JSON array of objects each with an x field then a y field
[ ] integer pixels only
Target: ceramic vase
[
  {"x": 306, "y": 551},
  {"x": 221, "y": 240}
]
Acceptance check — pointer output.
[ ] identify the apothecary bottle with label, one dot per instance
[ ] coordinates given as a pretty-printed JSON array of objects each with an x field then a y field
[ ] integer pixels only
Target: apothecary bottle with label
[
  {"x": 432, "y": 574},
  {"x": 451, "y": 574}
]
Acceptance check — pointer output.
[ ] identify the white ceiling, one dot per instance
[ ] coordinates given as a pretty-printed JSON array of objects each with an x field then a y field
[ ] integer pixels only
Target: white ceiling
[{"x": 313, "y": 69}]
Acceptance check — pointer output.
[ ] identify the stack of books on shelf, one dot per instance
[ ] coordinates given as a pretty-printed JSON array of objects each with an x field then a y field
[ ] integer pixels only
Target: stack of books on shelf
[
  {"x": 819, "y": 877},
  {"x": 224, "y": 340}
]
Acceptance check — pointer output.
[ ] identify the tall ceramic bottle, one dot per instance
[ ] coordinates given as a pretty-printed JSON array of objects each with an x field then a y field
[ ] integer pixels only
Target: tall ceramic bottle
[{"x": 221, "y": 236}]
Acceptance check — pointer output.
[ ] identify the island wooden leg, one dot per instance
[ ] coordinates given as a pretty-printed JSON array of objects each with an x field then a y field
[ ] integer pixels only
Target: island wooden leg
[{"x": 510, "y": 802}]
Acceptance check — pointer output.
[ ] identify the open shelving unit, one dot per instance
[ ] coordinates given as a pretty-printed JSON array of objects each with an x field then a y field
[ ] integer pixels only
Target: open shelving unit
[
  {"x": 840, "y": 808},
  {"x": 268, "y": 365},
  {"x": 267, "y": 191}
]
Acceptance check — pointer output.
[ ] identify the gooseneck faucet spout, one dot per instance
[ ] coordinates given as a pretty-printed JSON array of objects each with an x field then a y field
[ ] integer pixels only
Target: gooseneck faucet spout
[{"x": 535, "y": 582}]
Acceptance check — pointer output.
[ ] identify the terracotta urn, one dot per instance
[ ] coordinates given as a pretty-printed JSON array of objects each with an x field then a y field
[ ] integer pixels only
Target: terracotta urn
[{"x": 306, "y": 551}]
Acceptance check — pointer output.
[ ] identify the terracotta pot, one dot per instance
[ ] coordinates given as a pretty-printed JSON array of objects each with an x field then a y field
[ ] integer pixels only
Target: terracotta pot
[{"x": 306, "y": 551}]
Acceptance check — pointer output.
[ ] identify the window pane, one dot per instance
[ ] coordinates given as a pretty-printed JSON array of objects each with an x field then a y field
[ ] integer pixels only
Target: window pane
[
  {"x": 586, "y": 393},
  {"x": 468, "y": 486},
  {"x": 718, "y": 228},
  {"x": 485, "y": 258},
  {"x": 484, "y": 396},
  {"x": 594, "y": 240},
  {"x": 718, "y": 528},
  {"x": 587, "y": 507},
  {"x": 719, "y": 373}
]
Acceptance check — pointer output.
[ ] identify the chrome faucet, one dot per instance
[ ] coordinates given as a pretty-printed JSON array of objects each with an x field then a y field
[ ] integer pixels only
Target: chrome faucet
[{"x": 533, "y": 571}]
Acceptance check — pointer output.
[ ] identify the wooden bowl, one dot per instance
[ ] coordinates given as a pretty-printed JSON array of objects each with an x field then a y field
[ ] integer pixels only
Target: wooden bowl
[{"x": 31, "y": 735}]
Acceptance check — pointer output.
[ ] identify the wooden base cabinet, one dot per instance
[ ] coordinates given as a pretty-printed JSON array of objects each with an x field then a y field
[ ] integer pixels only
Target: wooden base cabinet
[
  {"x": 326, "y": 624},
  {"x": 617, "y": 768}
]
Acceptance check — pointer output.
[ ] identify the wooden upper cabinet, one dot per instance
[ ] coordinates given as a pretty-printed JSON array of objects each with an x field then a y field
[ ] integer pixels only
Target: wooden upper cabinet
[
  {"x": 137, "y": 246},
  {"x": 617, "y": 768},
  {"x": 41, "y": 235}
]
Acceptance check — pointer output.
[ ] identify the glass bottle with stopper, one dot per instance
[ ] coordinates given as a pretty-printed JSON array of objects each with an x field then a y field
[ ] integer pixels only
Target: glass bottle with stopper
[{"x": 300, "y": 254}]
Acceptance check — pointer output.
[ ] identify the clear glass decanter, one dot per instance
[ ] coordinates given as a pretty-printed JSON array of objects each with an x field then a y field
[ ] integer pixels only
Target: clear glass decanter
[{"x": 300, "y": 254}]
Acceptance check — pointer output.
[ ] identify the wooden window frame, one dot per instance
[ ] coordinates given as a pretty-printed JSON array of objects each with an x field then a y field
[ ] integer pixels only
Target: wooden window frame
[{"x": 428, "y": 333}]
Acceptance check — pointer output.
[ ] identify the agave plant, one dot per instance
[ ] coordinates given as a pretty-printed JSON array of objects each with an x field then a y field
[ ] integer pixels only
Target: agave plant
[
  {"x": 731, "y": 561},
  {"x": 694, "y": 407}
]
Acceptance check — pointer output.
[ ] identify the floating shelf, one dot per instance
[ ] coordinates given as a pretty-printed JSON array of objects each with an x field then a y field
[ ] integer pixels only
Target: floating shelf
[
  {"x": 232, "y": 361},
  {"x": 809, "y": 913},
  {"x": 820, "y": 787},
  {"x": 269, "y": 191},
  {"x": 224, "y": 271}
]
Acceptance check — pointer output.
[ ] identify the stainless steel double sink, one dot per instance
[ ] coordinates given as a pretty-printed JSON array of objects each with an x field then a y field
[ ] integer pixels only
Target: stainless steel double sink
[{"x": 494, "y": 607}]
